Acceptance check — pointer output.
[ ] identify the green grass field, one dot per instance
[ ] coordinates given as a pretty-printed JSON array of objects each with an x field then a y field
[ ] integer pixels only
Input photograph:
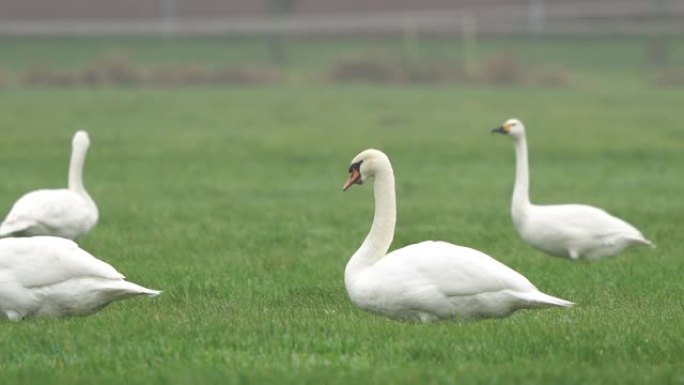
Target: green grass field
[{"x": 229, "y": 200}]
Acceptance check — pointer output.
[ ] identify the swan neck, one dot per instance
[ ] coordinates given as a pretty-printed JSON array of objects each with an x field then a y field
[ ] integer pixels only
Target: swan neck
[
  {"x": 78, "y": 155},
  {"x": 521, "y": 194},
  {"x": 379, "y": 239}
]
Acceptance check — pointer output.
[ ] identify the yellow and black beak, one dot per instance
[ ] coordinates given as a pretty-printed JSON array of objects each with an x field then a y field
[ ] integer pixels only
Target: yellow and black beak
[
  {"x": 354, "y": 176},
  {"x": 500, "y": 130}
]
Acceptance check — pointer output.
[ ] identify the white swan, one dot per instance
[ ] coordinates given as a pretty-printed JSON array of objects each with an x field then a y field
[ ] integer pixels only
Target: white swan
[
  {"x": 52, "y": 277},
  {"x": 574, "y": 231},
  {"x": 67, "y": 213},
  {"x": 428, "y": 281}
]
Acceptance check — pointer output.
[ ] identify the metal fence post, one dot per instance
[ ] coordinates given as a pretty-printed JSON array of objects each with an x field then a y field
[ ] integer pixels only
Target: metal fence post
[
  {"x": 168, "y": 13},
  {"x": 535, "y": 17}
]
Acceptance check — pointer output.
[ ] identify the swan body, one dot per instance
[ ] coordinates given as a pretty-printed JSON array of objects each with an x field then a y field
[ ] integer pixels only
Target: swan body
[
  {"x": 570, "y": 230},
  {"x": 52, "y": 277},
  {"x": 577, "y": 231},
  {"x": 428, "y": 281},
  {"x": 67, "y": 213}
]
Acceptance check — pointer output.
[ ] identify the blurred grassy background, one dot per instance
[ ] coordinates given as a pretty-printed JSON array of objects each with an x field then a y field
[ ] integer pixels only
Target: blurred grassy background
[
  {"x": 228, "y": 199},
  {"x": 595, "y": 61}
]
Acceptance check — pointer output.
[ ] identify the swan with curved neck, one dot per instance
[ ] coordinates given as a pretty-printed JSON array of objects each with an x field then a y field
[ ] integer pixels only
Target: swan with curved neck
[
  {"x": 428, "y": 281},
  {"x": 67, "y": 213},
  {"x": 52, "y": 277},
  {"x": 571, "y": 230}
]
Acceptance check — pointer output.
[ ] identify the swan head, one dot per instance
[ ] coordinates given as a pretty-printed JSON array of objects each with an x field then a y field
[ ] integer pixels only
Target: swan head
[
  {"x": 512, "y": 127},
  {"x": 81, "y": 140},
  {"x": 365, "y": 165}
]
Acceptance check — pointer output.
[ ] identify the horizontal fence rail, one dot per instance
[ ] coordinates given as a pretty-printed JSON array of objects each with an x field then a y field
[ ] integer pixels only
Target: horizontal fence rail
[{"x": 627, "y": 17}]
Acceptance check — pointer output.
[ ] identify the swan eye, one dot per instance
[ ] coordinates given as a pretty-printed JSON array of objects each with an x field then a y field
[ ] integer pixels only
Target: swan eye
[{"x": 355, "y": 166}]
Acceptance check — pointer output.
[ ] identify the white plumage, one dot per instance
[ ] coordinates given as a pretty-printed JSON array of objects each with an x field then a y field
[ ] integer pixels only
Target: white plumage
[
  {"x": 67, "y": 213},
  {"x": 427, "y": 281},
  {"x": 572, "y": 230},
  {"x": 52, "y": 277}
]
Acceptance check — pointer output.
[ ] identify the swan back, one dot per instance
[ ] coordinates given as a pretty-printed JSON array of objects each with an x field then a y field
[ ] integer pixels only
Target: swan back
[
  {"x": 44, "y": 261},
  {"x": 455, "y": 270},
  {"x": 51, "y": 276},
  {"x": 59, "y": 212}
]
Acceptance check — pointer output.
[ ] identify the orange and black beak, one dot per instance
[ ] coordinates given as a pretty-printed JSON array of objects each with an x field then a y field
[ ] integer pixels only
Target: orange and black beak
[{"x": 354, "y": 176}]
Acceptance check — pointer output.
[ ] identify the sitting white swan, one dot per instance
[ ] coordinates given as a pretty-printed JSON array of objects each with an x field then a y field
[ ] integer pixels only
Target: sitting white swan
[
  {"x": 574, "y": 231},
  {"x": 53, "y": 277},
  {"x": 427, "y": 281},
  {"x": 67, "y": 213}
]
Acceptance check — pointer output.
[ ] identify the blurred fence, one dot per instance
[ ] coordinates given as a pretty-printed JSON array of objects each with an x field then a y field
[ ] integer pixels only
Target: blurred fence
[{"x": 533, "y": 17}]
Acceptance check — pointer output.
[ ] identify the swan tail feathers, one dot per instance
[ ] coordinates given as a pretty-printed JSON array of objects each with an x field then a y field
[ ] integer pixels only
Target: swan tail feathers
[
  {"x": 8, "y": 229},
  {"x": 641, "y": 240},
  {"x": 539, "y": 299},
  {"x": 130, "y": 289},
  {"x": 646, "y": 242}
]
